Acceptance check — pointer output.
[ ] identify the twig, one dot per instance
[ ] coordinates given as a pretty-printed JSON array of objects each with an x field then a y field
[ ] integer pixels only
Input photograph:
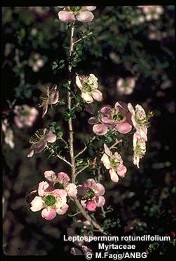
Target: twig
[
  {"x": 63, "y": 159},
  {"x": 84, "y": 148},
  {"x": 70, "y": 125},
  {"x": 64, "y": 142},
  {"x": 84, "y": 213},
  {"x": 83, "y": 37},
  {"x": 58, "y": 156},
  {"x": 83, "y": 168},
  {"x": 117, "y": 141},
  {"x": 71, "y": 145}
]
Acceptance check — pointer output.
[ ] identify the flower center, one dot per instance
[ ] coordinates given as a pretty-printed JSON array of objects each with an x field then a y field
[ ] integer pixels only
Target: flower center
[
  {"x": 141, "y": 119},
  {"x": 89, "y": 194},
  {"x": 59, "y": 185},
  {"x": 38, "y": 136},
  {"x": 118, "y": 116},
  {"x": 140, "y": 149},
  {"x": 87, "y": 87},
  {"x": 114, "y": 162},
  {"x": 49, "y": 200},
  {"x": 75, "y": 8},
  {"x": 24, "y": 112},
  {"x": 125, "y": 85}
]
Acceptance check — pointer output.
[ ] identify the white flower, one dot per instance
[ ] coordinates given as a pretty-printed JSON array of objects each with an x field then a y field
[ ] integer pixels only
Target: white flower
[{"x": 89, "y": 88}]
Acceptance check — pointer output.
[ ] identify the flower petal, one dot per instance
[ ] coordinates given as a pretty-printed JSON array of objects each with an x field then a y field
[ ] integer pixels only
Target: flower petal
[
  {"x": 66, "y": 16},
  {"x": 63, "y": 177},
  {"x": 37, "y": 204},
  {"x": 93, "y": 120},
  {"x": 42, "y": 188},
  {"x": 100, "y": 201},
  {"x": 62, "y": 194},
  {"x": 62, "y": 209},
  {"x": 85, "y": 16},
  {"x": 100, "y": 129},
  {"x": 100, "y": 189},
  {"x": 121, "y": 170},
  {"x": 71, "y": 190},
  {"x": 87, "y": 97},
  {"x": 113, "y": 175},
  {"x": 50, "y": 137},
  {"x": 123, "y": 127},
  {"x": 97, "y": 95},
  {"x": 91, "y": 205},
  {"x": 106, "y": 110},
  {"x": 78, "y": 82},
  {"x": 50, "y": 175},
  {"x": 18, "y": 122},
  {"x": 106, "y": 162},
  {"x": 31, "y": 153},
  {"x": 107, "y": 150},
  {"x": 91, "y": 8},
  {"x": 107, "y": 120},
  {"x": 48, "y": 213}
]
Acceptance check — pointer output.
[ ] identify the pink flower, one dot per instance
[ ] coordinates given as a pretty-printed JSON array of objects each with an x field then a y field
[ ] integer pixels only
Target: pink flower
[
  {"x": 89, "y": 88},
  {"x": 139, "y": 120},
  {"x": 50, "y": 96},
  {"x": 152, "y": 12},
  {"x": 51, "y": 202},
  {"x": 79, "y": 13},
  {"x": 24, "y": 115},
  {"x": 39, "y": 141},
  {"x": 139, "y": 148},
  {"x": 114, "y": 163},
  {"x": 61, "y": 180},
  {"x": 126, "y": 86},
  {"x": 114, "y": 119},
  {"x": 92, "y": 194}
]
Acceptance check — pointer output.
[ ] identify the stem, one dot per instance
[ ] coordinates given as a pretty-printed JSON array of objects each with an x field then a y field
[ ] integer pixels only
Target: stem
[
  {"x": 70, "y": 124},
  {"x": 58, "y": 156},
  {"x": 83, "y": 168},
  {"x": 71, "y": 139},
  {"x": 117, "y": 142},
  {"x": 84, "y": 148},
  {"x": 83, "y": 37},
  {"x": 84, "y": 213}
]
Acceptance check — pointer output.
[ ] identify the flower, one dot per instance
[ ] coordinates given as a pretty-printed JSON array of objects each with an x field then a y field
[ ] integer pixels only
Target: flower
[
  {"x": 24, "y": 115},
  {"x": 39, "y": 141},
  {"x": 114, "y": 119},
  {"x": 36, "y": 61},
  {"x": 50, "y": 96},
  {"x": 88, "y": 86},
  {"x": 114, "y": 163},
  {"x": 79, "y": 13},
  {"x": 139, "y": 148},
  {"x": 125, "y": 86},
  {"x": 152, "y": 12},
  {"x": 8, "y": 132},
  {"x": 92, "y": 194},
  {"x": 61, "y": 181},
  {"x": 51, "y": 202},
  {"x": 139, "y": 120}
]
